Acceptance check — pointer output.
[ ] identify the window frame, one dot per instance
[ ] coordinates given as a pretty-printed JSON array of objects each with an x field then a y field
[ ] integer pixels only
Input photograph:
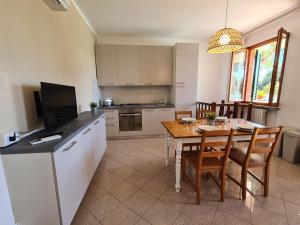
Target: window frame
[{"x": 278, "y": 39}]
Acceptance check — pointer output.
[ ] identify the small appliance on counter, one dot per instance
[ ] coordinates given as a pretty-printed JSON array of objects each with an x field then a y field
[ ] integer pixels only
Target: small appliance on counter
[{"x": 107, "y": 102}]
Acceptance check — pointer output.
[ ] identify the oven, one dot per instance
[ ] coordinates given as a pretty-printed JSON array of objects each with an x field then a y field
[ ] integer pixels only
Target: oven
[{"x": 130, "y": 119}]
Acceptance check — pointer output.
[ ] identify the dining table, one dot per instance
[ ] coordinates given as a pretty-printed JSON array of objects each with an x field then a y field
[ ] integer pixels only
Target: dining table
[{"x": 184, "y": 132}]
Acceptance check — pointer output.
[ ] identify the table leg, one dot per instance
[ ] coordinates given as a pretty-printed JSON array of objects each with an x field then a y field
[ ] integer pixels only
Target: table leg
[
  {"x": 178, "y": 145},
  {"x": 167, "y": 143}
]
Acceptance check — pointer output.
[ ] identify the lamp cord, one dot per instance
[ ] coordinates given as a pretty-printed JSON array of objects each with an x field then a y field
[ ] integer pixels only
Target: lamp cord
[{"x": 226, "y": 14}]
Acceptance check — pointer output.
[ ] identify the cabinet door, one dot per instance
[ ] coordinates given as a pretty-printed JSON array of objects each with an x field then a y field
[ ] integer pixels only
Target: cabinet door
[
  {"x": 164, "y": 61},
  {"x": 112, "y": 129},
  {"x": 74, "y": 166},
  {"x": 129, "y": 65},
  {"x": 149, "y": 118},
  {"x": 108, "y": 65},
  {"x": 148, "y": 65},
  {"x": 165, "y": 114},
  {"x": 98, "y": 140},
  {"x": 187, "y": 69}
]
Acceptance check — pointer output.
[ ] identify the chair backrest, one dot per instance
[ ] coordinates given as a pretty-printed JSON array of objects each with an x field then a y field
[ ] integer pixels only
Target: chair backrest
[
  {"x": 220, "y": 140},
  {"x": 202, "y": 109},
  {"x": 263, "y": 142},
  {"x": 181, "y": 114},
  {"x": 235, "y": 110}
]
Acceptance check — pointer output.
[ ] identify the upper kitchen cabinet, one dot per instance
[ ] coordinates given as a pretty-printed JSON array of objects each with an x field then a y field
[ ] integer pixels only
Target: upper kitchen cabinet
[
  {"x": 164, "y": 62},
  {"x": 148, "y": 65},
  {"x": 129, "y": 72},
  {"x": 107, "y": 62}
]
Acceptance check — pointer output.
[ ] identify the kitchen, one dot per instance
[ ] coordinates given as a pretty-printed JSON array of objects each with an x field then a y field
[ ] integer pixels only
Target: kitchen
[{"x": 141, "y": 85}]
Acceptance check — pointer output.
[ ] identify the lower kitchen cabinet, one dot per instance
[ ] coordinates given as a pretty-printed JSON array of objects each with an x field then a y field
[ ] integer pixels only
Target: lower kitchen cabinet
[
  {"x": 152, "y": 120},
  {"x": 54, "y": 183},
  {"x": 112, "y": 122}
]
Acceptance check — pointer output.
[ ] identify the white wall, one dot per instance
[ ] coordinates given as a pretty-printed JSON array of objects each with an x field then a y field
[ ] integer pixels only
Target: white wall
[
  {"x": 289, "y": 112},
  {"x": 212, "y": 79},
  {"x": 6, "y": 214},
  {"x": 37, "y": 44}
]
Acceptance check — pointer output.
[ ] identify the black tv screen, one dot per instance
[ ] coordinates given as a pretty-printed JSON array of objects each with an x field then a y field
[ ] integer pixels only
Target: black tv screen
[{"x": 59, "y": 104}]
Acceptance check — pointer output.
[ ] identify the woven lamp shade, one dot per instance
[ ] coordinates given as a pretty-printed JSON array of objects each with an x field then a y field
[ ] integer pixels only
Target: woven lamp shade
[{"x": 225, "y": 40}]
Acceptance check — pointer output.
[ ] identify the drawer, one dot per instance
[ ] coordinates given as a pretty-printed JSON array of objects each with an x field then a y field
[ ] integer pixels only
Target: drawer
[
  {"x": 111, "y": 116},
  {"x": 112, "y": 130}
]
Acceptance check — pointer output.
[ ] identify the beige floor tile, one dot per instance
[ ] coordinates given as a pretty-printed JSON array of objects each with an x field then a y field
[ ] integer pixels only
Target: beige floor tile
[
  {"x": 106, "y": 180},
  {"x": 101, "y": 207},
  {"x": 142, "y": 222},
  {"x": 202, "y": 213},
  {"x": 94, "y": 192},
  {"x": 122, "y": 170},
  {"x": 184, "y": 220},
  {"x": 261, "y": 216},
  {"x": 291, "y": 196},
  {"x": 222, "y": 218},
  {"x": 138, "y": 179},
  {"x": 293, "y": 212},
  {"x": 140, "y": 202},
  {"x": 83, "y": 217},
  {"x": 161, "y": 214},
  {"x": 270, "y": 203},
  {"x": 155, "y": 187},
  {"x": 123, "y": 191},
  {"x": 121, "y": 216},
  {"x": 151, "y": 170}
]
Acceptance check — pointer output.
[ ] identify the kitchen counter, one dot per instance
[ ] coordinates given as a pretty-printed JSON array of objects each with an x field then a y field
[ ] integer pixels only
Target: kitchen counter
[
  {"x": 141, "y": 106},
  {"x": 69, "y": 130}
]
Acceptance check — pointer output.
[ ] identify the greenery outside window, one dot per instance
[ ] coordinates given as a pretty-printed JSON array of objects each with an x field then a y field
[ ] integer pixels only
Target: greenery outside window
[{"x": 257, "y": 71}]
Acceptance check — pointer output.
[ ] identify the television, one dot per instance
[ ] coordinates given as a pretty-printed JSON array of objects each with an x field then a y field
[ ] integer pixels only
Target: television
[{"x": 58, "y": 104}]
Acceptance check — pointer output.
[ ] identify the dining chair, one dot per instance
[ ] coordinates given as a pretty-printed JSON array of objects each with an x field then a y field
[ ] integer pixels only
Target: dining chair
[
  {"x": 202, "y": 109},
  {"x": 181, "y": 114},
  {"x": 257, "y": 155},
  {"x": 212, "y": 157}
]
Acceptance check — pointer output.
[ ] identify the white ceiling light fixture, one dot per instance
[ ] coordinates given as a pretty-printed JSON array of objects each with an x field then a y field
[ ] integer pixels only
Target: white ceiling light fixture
[{"x": 225, "y": 40}]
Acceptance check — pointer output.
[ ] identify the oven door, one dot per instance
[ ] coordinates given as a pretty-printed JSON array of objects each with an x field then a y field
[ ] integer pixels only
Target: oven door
[{"x": 130, "y": 121}]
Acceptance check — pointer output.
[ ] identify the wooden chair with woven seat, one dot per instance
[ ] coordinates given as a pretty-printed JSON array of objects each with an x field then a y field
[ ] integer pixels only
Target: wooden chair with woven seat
[
  {"x": 257, "y": 155},
  {"x": 212, "y": 157}
]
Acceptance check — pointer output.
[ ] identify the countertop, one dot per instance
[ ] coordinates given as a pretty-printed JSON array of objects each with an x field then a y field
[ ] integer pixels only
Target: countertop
[
  {"x": 69, "y": 131},
  {"x": 141, "y": 106}
]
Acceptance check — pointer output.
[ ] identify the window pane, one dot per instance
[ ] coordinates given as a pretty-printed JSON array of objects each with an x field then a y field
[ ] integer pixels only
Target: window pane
[
  {"x": 237, "y": 76},
  {"x": 279, "y": 69},
  {"x": 262, "y": 72}
]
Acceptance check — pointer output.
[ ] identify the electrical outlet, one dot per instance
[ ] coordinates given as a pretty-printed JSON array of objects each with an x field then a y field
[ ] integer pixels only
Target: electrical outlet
[{"x": 4, "y": 138}]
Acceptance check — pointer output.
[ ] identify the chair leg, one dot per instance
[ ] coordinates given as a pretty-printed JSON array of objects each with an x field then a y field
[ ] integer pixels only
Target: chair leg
[
  {"x": 244, "y": 183},
  {"x": 266, "y": 181},
  {"x": 198, "y": 186},
  {"x": 222, "y": 174}
]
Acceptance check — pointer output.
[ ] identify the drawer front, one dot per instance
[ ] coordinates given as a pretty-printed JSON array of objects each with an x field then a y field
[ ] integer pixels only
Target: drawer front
[
  {"x": 112, "y": 130},
  {"x": 111, "y": 116}
]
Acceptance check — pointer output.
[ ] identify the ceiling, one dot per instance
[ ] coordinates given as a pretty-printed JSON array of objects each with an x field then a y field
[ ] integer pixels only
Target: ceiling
[{"x": 189, "y": 19}]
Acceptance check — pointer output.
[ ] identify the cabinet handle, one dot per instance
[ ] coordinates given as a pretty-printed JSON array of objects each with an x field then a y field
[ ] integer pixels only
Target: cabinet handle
[
  {"x": 88, "y": 130},
  {"x": 96, "y": 122},
  {"x": 110, "y": 125},
  {"x": 148, "y": 83},
  {"x": 109, "y": 118},
  {"x": 129, "y": 83},
  {"x": 109, "y": 84},
  {"x": 70, "y": 146}
]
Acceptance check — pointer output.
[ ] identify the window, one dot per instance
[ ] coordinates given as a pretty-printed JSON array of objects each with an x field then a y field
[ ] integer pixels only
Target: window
[{"x": 257, "y": 71}]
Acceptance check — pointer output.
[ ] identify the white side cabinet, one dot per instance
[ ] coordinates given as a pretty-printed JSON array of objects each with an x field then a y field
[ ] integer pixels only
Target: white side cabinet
[
  {"x": 152, "y": 120},
  {"x": 53, "y": 184}
]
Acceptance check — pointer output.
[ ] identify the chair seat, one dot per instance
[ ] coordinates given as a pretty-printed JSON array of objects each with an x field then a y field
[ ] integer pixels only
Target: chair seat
[
  {"x": 238, "y": 155},
  {"x": 208, "y": 164}
]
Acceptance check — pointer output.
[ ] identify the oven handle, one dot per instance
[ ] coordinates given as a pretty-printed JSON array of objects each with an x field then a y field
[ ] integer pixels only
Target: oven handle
[{"x": 130, "y": 114}]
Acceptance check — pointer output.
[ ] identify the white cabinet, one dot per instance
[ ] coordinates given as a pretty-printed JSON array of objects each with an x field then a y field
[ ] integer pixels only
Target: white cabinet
[
  {"x": 152, "y": 120},
  {"x": 112, "y": 122},
  {"x": 107, "y": 70},
  {"x": 164, "y": 62},
  {"x": 148, "y": 65},
  {"x": 129, "y": 65},
  {"x": 149, "y": 121},
  {"x": 54, "y": 183},
  {"x": 123, "y": 65}
]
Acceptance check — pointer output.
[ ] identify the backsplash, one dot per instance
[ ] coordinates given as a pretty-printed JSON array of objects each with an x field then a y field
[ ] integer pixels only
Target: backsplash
[{"x": 136, "y": 94}]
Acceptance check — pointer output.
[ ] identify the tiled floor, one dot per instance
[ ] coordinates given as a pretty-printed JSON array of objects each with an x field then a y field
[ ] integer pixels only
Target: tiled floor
[{"x": 132, "y": 186}]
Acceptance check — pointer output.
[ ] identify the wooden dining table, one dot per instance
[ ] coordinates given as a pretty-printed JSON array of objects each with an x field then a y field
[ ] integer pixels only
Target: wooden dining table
[{"x": 189, "y": 133}]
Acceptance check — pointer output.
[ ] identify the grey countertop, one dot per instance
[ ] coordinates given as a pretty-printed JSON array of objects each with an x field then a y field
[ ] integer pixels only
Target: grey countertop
[
  {"x": 68, "y": 132},
  {"x": 141, "y": 106}
]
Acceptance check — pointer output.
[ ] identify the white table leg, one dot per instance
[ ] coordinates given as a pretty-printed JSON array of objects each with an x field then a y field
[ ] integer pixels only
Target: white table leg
[
  {"x": 167, "y": 143},
  {"x": 178, "y": 144}
]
